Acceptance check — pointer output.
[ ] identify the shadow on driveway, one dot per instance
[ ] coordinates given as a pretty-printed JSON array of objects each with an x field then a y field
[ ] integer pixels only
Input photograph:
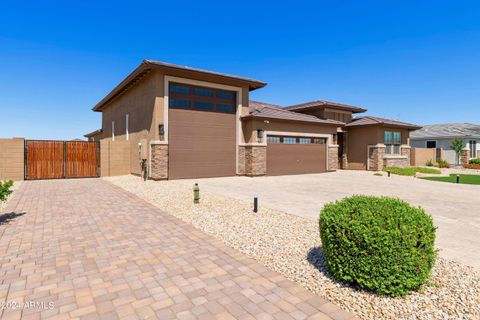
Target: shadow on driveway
[{"x": 5, "y": 218}]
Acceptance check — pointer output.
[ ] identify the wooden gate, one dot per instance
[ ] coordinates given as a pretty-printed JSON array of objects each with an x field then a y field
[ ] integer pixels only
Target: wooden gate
[{"x": 61, "y": 159}]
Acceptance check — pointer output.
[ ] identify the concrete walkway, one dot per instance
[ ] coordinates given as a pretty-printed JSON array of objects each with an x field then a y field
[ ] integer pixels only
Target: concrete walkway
[
  {"x": 455, "y": 208},
  {"x": 85, "y": 249}
]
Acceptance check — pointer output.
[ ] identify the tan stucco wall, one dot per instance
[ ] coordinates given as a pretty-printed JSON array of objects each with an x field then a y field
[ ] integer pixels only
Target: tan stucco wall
[
  {"x": 139, "y": 103},
  {"x": 361, "y": 137},
  {"x": 12, "y": 159},
  {"x": 420, "y": 156},
  {"x": 250, "y": 128},
  {"x": 114, "y": 157}
]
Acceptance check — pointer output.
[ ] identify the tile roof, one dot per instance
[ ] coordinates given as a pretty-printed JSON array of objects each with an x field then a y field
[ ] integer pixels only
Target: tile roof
[
  {"x": 93, "y": 133},
  {"x": 447, "y": 130},
  {"x": 369, "y": 120},
  {"x": 271, "y": 111},
  {"x": 324, "y": 103}
]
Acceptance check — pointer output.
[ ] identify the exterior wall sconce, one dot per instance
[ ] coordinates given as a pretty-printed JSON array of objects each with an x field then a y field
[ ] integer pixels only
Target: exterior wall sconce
[
  {"x": 260, "y": 134},
  {"x": 161, "y": 131}
]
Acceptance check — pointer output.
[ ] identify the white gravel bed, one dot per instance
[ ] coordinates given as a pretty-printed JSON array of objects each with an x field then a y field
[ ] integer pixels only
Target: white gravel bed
[
  {"x": 290, "y": 245},
  {"x": 3, "y": 205}
]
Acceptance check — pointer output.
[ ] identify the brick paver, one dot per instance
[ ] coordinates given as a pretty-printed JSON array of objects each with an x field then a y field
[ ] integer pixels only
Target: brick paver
[{"x": 98, "y": 252}]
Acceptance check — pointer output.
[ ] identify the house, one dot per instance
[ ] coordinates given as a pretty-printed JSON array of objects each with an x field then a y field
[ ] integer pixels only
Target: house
[
  {"x": 184, "y": 122},
  {"x": 94, "y": 135},
  {"x": 441, "y": 135}
]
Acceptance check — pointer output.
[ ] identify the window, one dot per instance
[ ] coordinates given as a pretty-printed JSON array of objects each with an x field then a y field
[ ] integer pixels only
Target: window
[
  {"x": 179, "y": 88},
  {"x": 431, "y": 144},
  {"x": 203, "y": 92},
  {"x": 126, "y": 126},
  {"x": 113, "y": 130},
  {"x": 222, "y": 107},
  {"x": 393, "y": 140},
  {"x": 304, "y": 140},
  {"x": 185, "y": 96},
  {"x": 273, "y": 139},
  {"x": 473, "y": 148},
  {"x": 289, "y": 140},
  {"x": 205, "y": 106},
  {"x": 319, "y": 140},
  {"x": 179, "y": 103},
  {"x": 229, "y": 95}
]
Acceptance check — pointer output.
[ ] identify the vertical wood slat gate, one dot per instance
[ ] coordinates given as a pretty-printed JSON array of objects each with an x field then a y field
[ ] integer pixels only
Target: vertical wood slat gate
[{"x": 61, "y": 159}]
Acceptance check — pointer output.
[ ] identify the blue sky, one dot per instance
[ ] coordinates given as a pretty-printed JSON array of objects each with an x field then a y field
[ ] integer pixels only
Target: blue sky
[{"x": 418, "y": 61}]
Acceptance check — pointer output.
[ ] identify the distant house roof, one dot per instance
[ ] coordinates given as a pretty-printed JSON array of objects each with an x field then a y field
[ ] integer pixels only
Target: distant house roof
[
  {"x": 271, "y": 111},
  {"x": 369, "y": 120},
  {"x": 447, "y": 130},
  {"x": 148, "y": 65},
  {"x": 325, "y": 104},
  {"x": 93, "y": 133}
]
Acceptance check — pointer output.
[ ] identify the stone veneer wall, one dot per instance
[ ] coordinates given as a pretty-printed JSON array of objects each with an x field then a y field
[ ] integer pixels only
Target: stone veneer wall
[
  {"x": 255, "y": 160},
  {"x": 241, "y": 160},
  {"x": 465, "y": 157},
  {"x": 376, "y": 156},
  {"x": 332, "y": 158},
  {"x": 159, "y": 162}
]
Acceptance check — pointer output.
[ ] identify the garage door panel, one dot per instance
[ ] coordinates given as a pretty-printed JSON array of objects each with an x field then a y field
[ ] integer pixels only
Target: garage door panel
[
  {"x": 201, "y": 144},
  {"x": 284, "y": 159}
]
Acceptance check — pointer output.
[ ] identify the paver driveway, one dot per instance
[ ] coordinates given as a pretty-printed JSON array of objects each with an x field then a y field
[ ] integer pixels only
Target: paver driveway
[
  {"x": 96, "y": 251},
  {"x": 454, "y": 208}
]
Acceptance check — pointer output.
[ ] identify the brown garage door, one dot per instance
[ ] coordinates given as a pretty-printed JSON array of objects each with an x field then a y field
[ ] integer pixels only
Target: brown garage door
[
  {"x": 201, "y": 132},
  {"x": 296, "y": 155}
]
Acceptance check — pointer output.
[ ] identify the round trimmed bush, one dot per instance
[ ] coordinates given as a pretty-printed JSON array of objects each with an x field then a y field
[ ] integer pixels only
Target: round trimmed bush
[{"x": 382, "y": 244}]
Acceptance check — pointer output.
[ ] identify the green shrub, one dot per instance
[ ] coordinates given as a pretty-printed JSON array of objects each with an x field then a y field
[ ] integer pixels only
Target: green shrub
[
  {"x": 411, "y": 171},
  {"x": 474, "y": 161},
  {"x": 443, "y": 163},
  {"x": 5, "y": 190},
  {"x": 382, "y": 244},
  {"x": 429, "y": 163}
]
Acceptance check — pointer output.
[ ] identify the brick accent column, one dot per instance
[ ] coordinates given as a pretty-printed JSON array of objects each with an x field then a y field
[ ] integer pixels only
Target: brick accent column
[
  {"x": 464, "y": 157},
  {"x": 332, "y": 164},
  {"x": 159, "y": 162},
  {"x": 255, "y": 160},
  {"x": 376, "y": 155}
]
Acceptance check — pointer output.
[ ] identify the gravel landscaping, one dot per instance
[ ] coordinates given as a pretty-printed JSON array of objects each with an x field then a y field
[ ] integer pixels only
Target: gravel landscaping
[{"x": 291, "y": 246}]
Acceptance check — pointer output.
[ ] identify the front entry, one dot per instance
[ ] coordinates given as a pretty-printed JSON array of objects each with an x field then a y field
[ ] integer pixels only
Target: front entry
[{"x": 296, "y": 155}]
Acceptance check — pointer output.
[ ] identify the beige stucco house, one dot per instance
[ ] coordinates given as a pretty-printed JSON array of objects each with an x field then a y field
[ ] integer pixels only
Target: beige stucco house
[{"x": 190, "y": 123}]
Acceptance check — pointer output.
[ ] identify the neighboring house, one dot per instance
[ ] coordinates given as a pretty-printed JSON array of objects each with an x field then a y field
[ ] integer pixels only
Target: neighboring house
[
  {"x": 441, "y": 136},
  {"x": 95, "y": 135},
  {"x": 192, "y": 123}
]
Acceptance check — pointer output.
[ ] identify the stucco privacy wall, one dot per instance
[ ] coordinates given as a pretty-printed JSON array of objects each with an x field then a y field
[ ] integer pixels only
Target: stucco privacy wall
[
  {"x": 12, "y": 159},
  {"x": 420, "y": 156},
  {"x": 114, "y": 158}
]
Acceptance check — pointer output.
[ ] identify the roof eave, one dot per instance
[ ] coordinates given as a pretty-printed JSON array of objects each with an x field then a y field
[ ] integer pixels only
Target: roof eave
[
  {"x": 250, "y": 116},
  {"x": 148, "y": 65}
]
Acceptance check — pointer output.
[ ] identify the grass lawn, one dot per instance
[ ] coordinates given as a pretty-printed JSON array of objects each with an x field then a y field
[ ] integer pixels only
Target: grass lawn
[
  {"x": 464, "y": 178},
  {"x": 411, "y": 171}
]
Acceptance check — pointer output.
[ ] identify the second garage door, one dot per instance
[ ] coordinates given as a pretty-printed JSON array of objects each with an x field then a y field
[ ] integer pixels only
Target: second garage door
[
  {"x": 296, "y": 155},
  {"x": 202, "y": 134}
]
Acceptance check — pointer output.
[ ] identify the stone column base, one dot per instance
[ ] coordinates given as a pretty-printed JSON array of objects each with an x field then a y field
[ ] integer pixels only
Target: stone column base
[
  {"x": 159, "y": 162},
  {"x": 375, "y": 158},
  {"x": 332, "y": 164},
  {"x": 255, "y": 160}
]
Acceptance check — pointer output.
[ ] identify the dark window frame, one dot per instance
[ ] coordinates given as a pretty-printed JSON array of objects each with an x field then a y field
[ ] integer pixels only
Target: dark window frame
[
  {"x": 430, "y": 141},
  {"x": 194, "y": 98}
]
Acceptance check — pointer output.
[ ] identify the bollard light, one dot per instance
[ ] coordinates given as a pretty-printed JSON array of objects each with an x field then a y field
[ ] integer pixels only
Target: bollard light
[
  {"x": 458, "y": 178},
  {"x": 255, "y": 203},
  {"x": 388, "y": 173},
  {"x": 196, "y": 193}
]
